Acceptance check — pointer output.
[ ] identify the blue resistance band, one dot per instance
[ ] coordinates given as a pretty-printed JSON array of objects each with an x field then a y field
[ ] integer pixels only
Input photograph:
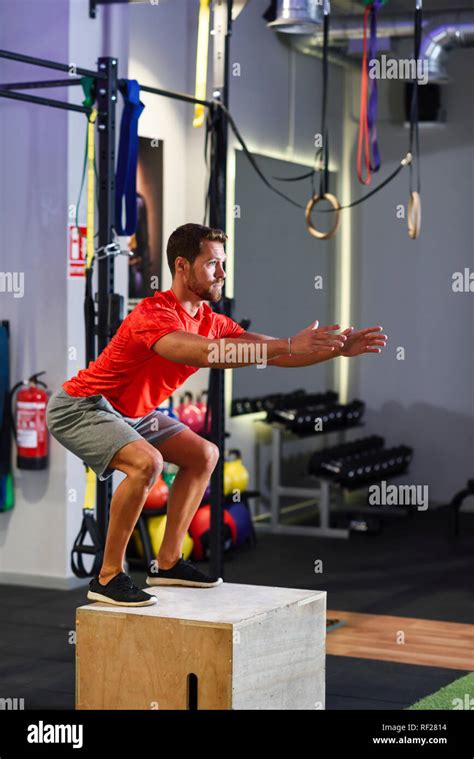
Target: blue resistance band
[{"x": 126, "y": 177}]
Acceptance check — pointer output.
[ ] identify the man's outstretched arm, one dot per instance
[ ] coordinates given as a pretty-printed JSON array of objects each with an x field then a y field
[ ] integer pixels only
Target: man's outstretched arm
[
  {"x": 368, "y": 340},
  {"x": 182, "y": 347},
  {"x": 286, "y": 360}
]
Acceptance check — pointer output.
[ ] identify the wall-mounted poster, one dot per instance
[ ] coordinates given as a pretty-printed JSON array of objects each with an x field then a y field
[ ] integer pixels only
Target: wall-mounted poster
[{"x": 146, "y": 244}]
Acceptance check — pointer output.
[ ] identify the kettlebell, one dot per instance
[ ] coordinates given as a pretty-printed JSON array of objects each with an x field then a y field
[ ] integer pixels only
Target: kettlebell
[
  {"x": 191, "y": 415},
  {"x": 236, "y": 476},
  {"x": 203, "y": 408}
]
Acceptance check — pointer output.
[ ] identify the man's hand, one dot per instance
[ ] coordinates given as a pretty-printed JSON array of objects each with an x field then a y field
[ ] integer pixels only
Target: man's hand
[
  {"x": 315, "y": 340},
  {"x": 367, "y": 340}
]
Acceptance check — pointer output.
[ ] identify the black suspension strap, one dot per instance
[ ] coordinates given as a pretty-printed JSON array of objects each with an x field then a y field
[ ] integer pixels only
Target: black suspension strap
[
  {"x": 323, "y": 156},
  {"x": 251, "y": 158}
]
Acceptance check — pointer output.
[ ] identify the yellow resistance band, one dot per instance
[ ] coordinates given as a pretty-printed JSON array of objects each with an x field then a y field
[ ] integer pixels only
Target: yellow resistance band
[
  {"x": 90, "y": 492},
  {"x": 90, "y": 188}
]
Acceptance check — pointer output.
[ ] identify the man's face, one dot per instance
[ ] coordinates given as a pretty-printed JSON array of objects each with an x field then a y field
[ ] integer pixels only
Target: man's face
[{"x": 206, "y": 276}]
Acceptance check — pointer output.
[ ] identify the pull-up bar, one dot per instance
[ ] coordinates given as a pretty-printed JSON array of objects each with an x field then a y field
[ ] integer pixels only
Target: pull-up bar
[
  {"x": 39, "y": 85},
  {"x": 44, "y": 101},
  {"x": 51, "y": 64}
]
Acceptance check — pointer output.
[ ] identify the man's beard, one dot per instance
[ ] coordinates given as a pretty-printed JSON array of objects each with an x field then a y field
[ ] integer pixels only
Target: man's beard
[{"x": 212, "y": 293}]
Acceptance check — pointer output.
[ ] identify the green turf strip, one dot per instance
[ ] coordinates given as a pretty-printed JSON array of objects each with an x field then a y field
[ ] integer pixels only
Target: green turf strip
[{"x": 457, "y": 695}]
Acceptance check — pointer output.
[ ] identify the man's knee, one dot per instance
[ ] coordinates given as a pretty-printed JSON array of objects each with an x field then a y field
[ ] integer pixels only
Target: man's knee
[
  {"x": 210, "y": 456},
  {"x": 148, "y": 467}
]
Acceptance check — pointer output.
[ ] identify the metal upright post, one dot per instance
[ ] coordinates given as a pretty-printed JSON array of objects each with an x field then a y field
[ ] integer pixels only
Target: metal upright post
[
  {"x": 217, "y": 218},
  {"x": 106, "y": 104}
]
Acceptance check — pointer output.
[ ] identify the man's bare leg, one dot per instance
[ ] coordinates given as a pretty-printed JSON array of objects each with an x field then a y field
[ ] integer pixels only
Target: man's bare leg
[
  {"x": 142, "y": 463},
  {"x": 197, "y": 459}
]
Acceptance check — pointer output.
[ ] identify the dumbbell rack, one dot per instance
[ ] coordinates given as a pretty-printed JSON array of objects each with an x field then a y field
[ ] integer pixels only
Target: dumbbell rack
[{"x": 322, "y": 493}]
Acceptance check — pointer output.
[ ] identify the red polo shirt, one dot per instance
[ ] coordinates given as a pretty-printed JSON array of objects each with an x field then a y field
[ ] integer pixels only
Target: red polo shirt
[{"x": 128, "y": 373}]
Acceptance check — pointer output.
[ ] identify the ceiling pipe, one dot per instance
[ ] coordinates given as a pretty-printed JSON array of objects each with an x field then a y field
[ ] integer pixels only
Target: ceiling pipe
[{"x": 300, "y": 25}]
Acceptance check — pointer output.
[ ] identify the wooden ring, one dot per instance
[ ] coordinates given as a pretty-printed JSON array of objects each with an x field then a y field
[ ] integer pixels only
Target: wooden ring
[
  {"x": 414, "y": 215},
  {"x": 309, "y": 208}
]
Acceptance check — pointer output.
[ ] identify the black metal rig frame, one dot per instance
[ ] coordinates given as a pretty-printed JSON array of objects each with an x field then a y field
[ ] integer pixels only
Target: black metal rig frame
[{"x": 107, "y": 85}]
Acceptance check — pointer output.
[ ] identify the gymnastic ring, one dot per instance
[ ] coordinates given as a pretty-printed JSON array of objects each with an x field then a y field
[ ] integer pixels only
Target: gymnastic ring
[
  {"x": 414, "y": 215},
  {"x": 309, "y": 208}
]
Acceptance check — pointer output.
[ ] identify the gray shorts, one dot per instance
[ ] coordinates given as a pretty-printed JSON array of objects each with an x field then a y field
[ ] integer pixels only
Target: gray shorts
[{"x": 92, "y": 429}]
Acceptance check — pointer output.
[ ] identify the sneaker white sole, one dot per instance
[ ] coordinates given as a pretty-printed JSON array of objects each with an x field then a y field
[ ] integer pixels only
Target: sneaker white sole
[
  {"x": 105, "y": 599},
  {"x": 191, "y": 583}
]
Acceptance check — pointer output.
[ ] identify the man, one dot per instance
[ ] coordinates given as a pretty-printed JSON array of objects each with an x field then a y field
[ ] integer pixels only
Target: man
[{"x": 107, "y": 415}]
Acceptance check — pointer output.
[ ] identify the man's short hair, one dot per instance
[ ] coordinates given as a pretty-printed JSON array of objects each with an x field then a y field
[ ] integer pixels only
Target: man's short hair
[{"x": 186, "y": 241}]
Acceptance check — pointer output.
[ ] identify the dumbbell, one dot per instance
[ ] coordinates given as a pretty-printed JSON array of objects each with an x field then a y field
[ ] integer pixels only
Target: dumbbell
[
  {"x": 293, "y": 399},
  {"x": 366, "y": 455},
  {"x": 257, "y": 404},
  {"x": 271, "y": 402},
  {"x": 386, "y": 463},
  {"x": 336, "y": 466},
  {"x": 322, "y": 399},
  {"x": 331, "y": 415},
  {"x": 239, "y": 406},
  {"x": 343, "y": 450},
  {"x": 354, "y": 411}
]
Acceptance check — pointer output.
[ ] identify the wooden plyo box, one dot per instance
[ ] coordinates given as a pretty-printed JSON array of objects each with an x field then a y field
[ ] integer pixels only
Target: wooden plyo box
[{"x": 228, "y": 647}]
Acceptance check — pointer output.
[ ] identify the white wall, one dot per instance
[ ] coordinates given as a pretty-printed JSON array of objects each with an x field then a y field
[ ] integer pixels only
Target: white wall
[
  {"x": 33, "y": 168},
  {"x": 41, "y": 159}
]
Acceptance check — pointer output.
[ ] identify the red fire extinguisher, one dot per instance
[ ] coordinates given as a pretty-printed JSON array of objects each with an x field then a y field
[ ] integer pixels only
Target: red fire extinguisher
[{"x": 29, "y": 424}]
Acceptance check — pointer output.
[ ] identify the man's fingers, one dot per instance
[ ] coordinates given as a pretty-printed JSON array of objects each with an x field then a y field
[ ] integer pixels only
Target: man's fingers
[
  {"x": 328, "y": 344},
  {"x": 330, "y": 327},
  {"x": 367, "y": 330}
]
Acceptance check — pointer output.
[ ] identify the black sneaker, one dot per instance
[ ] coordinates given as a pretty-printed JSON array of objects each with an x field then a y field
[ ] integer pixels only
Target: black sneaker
[
  {"x": 121, "y": 591},
  {"x": 181, "y": 573}
]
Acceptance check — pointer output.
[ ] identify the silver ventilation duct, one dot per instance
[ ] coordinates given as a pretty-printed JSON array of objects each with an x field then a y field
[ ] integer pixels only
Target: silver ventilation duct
[
  {"x": 447, "y": 32},
  {"x": 298, "y": 16},
  {"x": 442, "y": 32}
]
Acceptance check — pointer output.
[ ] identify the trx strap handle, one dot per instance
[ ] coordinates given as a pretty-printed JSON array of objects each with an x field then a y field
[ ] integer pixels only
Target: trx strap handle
[
  {"x": 414, "y": 205},
  {"x": 88, "y": 527},
  {"x": 126, "y": 176}
]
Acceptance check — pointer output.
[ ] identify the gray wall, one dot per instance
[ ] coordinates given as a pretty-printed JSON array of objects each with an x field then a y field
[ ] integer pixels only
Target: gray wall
[
  {"x": 276, "y": 265},
  {"x": 425, "y": 401}
]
